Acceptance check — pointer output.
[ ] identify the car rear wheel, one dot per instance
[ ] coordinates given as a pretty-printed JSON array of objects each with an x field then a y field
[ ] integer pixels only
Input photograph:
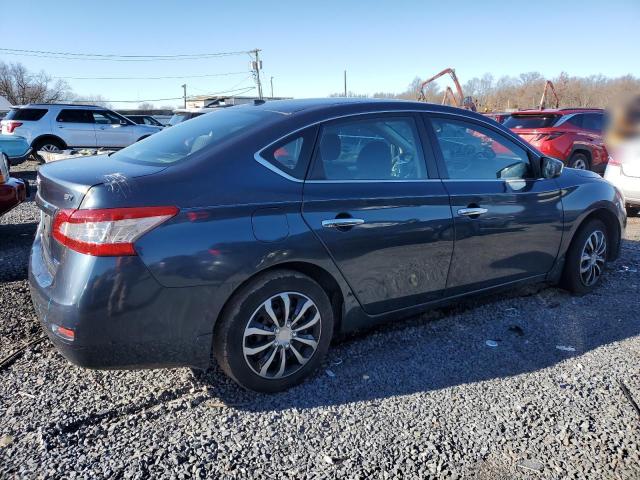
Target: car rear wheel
[
  {"x": 275, "y": 331},
  {"x": 586, "y": 258},
  {"x": 580, "y": 161},
  {"x": 50, "y": 145}
]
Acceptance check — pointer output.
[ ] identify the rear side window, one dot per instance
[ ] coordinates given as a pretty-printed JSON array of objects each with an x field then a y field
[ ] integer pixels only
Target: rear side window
[
  {"x": 530, "y": 121},
  {"x": 180, "y": 141},
  {"x": 383, "y": 148},
  {"x": 575, "y": 120},
  {"x": 26, "y": 114},
  {"x": 74, "y": 116},
  {"x": 291, "y": 155}
]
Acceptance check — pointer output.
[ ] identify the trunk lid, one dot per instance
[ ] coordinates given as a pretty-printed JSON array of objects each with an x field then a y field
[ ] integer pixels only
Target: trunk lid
[{"x": 64, "y": 184}]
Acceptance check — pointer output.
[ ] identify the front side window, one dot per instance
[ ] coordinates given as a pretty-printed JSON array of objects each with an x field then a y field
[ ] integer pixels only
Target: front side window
[
  {"x": 369, "y": 149},
  {"x": 105, "y": 118},
  {"x": 593, "y": 121},
  {"x": 472, "y": 152}
]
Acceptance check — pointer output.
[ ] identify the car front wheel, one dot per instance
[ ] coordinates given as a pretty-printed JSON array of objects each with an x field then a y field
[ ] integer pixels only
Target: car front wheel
[
  {"x": 275, "y": 331},
  {"x": 579, "y": 161},
  {"x": 586, "y": 258}
]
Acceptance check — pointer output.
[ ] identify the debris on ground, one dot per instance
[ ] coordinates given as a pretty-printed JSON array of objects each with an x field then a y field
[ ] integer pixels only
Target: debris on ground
[{"x": 566, "y": 348}]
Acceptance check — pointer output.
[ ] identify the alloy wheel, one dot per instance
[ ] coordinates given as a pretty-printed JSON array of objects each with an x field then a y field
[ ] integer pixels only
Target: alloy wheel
[
  {"x": 282, "y": 335},
  {"x": 580, "y": 164},
  {"x": 49, "y": 147},
  {"x": 593, "y": 258}
]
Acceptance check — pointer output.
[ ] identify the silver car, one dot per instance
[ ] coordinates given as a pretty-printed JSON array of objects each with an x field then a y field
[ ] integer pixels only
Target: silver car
[{"x": 623, "y": 170}]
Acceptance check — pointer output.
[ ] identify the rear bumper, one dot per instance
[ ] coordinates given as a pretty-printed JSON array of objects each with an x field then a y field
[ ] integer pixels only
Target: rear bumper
[
  {"x": 121, "y": 317},
  {"x": 12, "y": 193}
]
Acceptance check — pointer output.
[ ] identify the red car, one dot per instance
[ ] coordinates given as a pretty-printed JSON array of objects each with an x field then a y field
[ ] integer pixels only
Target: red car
[
  {"x": 573, "y": 135},
  {"x": 12, "y": 190}
]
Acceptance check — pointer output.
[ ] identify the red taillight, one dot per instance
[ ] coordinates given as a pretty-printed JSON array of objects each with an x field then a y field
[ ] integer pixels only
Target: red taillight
[
  {"x": 614, "y": 161},
  {"x": 107, "y": 232},
  {"x": 12, "y": 125}
]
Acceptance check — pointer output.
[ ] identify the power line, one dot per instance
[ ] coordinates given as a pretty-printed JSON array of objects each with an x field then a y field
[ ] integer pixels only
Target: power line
[
  {"x": 237, "y": 92},
  {"x": 115, "y": 57},
  {"x": 153, "y": 78}
]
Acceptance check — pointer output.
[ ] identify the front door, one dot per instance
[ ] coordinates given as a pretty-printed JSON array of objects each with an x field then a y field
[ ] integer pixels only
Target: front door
[
  {"x": 508, "y": 221},
  {"x": 110, "y": 132},
  {"x": 370, "y": 200}
]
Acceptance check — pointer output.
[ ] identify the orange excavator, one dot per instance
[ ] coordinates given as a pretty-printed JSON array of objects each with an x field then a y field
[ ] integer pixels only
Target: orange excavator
[
  {"x": 548, "y": 85},
  {"x": 456, "y": 99}
]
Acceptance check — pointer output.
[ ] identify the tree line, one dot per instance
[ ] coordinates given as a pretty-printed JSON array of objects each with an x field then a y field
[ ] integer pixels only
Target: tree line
[
  {"x": 525, "y": 91},
  {"x": 19, "y": 87}
]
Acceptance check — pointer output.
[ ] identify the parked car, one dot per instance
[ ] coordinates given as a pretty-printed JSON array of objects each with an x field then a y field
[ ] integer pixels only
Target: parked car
[
  {"x": 182, "y": 114},
  {"x": 16, "y": 148},
  {"x": 145, "y": 120},
  {"x": 623, "y": 171},
  {"x": 573, "y": 135},
  {"x": 255, "y": 234},
  {"x": 55, "y": 127},
  {"x": 13, "y": 191}
]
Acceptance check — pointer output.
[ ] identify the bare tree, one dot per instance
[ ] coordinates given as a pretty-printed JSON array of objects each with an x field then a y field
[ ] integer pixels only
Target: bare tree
[
  {"x": 19, "y": 86},
  {"x": 147, "y": 106},
  {"x": 91, "y": 99}
]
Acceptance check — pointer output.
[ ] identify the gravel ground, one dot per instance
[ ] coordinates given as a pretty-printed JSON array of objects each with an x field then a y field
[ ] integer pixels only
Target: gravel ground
[{"x": 421, "y": 398}]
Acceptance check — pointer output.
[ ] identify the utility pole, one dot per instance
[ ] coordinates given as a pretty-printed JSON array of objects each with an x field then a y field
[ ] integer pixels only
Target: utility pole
[
  {"x": 184, "y": 90},
  {"x": 256, "y": 66},
  {"x": 271, "y": 88},
  {"x": 345, "y": 83}
]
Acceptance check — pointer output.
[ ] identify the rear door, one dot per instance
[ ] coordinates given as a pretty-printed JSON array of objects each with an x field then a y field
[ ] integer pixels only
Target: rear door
[
  {"x": 75, "y": 126},
  {"x": 110, "y": 132},
  {"x": 373, "y": 198},
  {"x": 508, "y": 220}
]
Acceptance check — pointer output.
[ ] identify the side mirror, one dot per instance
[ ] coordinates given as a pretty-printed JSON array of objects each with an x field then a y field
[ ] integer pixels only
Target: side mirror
[{"x": 551, "y": 167}]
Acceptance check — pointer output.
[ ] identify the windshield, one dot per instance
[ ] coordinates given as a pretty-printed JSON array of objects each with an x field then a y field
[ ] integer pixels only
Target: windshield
[
  {"x": 175, "y": 144},
  {"x": 530, "y": 121}
]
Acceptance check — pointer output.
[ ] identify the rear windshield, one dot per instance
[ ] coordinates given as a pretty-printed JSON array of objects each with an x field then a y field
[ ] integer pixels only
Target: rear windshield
[
  {"x": 530, "y": 121},
  {"x": 27, "y": 114},
  {"x": 175, "y": 144}
]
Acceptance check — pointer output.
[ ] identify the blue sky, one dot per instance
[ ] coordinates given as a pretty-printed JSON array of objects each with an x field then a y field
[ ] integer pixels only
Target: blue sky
[{"x": 307, "y": 45}]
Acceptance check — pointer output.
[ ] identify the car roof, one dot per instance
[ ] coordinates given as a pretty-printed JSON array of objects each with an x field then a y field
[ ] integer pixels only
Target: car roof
[
  {"x": 66, "y": 105},
  {"x": 558, "y": 111},
  {"x": 347, "y": 105}
]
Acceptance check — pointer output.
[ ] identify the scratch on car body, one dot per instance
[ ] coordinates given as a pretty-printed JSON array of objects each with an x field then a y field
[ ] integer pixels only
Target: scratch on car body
[{"x": 117, "y": 183}]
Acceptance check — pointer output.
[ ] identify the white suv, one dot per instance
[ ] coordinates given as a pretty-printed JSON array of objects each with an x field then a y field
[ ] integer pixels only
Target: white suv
[{"x": 53, "y": 127}]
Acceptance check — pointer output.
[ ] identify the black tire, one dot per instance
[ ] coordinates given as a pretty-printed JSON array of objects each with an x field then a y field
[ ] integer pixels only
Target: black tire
[
  {"x": 572, "y": 279},
  {"x": 247, "y": 305},
  {"x": 580, "y": 160}
]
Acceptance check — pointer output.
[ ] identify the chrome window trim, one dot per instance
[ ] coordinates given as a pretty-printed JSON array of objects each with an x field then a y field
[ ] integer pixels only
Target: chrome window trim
[{"x": 264, "y": 162}]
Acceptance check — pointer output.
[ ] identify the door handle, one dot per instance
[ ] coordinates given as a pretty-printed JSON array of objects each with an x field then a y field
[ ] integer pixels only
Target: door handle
[
  {"x": 471, "y": 212},
  {"x": 342, "y": 222}
]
